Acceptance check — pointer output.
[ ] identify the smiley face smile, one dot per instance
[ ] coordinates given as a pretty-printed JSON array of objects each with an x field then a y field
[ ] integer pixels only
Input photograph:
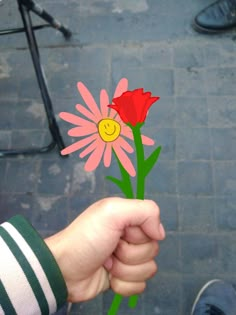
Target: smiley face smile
[
  {"x": 109, "y": 129},
  {"x": 110, "y": 134}
]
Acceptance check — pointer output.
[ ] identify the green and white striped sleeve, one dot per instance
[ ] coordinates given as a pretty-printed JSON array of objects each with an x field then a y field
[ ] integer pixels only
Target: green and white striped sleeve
[{"x": 30, "y": 280}]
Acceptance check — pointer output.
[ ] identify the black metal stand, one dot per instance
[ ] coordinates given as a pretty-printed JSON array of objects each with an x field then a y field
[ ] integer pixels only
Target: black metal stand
[{"x": 25, "y": 6}]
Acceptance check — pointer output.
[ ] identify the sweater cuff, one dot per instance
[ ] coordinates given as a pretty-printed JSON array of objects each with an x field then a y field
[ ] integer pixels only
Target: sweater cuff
[{"x": 31, "y": 281}]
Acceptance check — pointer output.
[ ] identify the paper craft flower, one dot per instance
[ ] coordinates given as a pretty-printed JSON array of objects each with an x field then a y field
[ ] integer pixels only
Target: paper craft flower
[
  {"x": 103, "y": 131},
  {"x": 132, "y": 106}
]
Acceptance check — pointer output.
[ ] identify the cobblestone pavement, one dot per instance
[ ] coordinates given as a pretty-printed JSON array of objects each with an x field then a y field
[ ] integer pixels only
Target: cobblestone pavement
[{"x": 150, "y": 42}]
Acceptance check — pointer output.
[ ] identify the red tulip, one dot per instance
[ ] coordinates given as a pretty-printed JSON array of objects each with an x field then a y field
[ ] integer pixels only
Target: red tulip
[{"x": 132, "y": 106}]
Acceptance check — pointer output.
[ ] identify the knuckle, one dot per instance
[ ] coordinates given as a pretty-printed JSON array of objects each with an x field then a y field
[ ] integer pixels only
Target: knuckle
[
  {"x": 155, "y": 206},
  {"x": 153, "y": 269},
  {"x": 117, "y": 269},
  {"x": 116, "y": 285},
  {"x": 122, "y": 246},
  {"x": 108, "y": 203},
  {"x": 142, "y": 287},
  {"x": 127, "y": 288},
  {"x": 122, "y": 252},
  {"x": 155, "y": 248}
]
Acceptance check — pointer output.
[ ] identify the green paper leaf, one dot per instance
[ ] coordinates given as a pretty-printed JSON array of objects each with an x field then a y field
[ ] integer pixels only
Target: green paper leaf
[
  {"x": 151, "y": 160},
  {"x": 124, "y": 183},
  {"x": 116, "y": 181}
]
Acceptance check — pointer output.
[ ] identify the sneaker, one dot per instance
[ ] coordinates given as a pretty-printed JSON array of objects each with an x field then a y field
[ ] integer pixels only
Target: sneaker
[{"x": 215, "y": 298}]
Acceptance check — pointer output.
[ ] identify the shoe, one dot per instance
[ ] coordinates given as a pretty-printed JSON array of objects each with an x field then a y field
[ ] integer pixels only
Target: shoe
[
  {"x": 218, "y": 17},
  {"x": 215, "y": 298}
]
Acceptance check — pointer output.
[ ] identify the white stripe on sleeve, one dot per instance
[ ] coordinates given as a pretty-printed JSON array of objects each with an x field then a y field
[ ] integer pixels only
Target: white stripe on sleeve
[
  {"x": 15, "y": 281},
  {"x": 35, "y": 265},
  {"x": 1, "y": 311}
]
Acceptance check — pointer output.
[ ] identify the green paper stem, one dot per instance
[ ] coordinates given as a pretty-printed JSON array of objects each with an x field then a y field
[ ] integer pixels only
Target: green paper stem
[
  {"x": 143, "y": 168},
  {"x": 133, "y": 300},
  {"x": 140, "y": 183},
  {"x": 126, "y": 187},
  {"x": 115, "y": 304}
]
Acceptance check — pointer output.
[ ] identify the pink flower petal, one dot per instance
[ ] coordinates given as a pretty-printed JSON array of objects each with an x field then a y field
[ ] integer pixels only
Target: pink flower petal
[
  {"x": 82, "y": 131},
  {"x": 104, "y": 101},
  {"x": 124, "y": 145},
  {"x": 89, "y": 100},
  {"x": 107, "y": 155},
  {"x": 124, "y": 159},
  {"x": 89, "y": 149},
  {"x": 126, "y": 128},
  {"x": 126, "y": 132},
  {"x": 95, "y": 158},
  {"x": 74, "y": 119},
  {"x": 79, "y": 144},
  {"x": 113, "y": 114},
  {"x": 118, "y": 119},
  {"x": 81, "y": 109},
  {"x": 122, "y": 87},
  {"x": 147, "y": 141}
]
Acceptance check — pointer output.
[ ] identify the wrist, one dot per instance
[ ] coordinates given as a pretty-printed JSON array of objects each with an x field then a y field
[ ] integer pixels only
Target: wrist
[{"x": 56, "y": 247}]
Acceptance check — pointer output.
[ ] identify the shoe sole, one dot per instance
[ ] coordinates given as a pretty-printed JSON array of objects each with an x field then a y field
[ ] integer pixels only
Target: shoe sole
[
  {"x": 200, "y": 293},
  {"x": 202, "y": 30}
]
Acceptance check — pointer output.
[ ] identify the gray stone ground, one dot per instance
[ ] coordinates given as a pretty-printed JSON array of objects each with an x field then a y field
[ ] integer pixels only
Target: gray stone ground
[{"x": 152, "y": 44}]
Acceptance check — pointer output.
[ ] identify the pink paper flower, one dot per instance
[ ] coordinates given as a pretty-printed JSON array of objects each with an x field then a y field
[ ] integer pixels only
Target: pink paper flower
[{"x": 102, "y": 130}]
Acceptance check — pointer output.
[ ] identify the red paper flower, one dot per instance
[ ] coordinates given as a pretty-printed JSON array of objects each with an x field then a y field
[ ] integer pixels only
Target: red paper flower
[{"x": 132, "y": 106}]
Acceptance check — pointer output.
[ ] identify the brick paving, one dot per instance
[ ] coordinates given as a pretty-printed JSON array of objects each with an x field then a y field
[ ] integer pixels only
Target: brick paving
[{"x": 150, "y": 42}]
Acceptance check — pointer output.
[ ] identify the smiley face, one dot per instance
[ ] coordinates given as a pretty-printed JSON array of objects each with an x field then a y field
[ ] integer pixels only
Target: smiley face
[{"x": 109, "y": 129}]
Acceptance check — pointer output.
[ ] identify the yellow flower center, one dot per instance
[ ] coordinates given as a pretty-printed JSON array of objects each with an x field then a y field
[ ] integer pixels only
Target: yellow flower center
[{"x": 109, "y": 129}]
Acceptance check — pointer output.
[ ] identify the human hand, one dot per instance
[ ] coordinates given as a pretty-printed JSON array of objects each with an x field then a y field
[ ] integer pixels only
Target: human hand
[{"x": 112, "y": 244}]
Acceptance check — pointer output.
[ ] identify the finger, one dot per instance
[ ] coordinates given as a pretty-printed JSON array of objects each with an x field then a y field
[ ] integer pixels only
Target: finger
[
  {"x": 134, "y": 273},
  {"x": 108, "y": 263},
  {"x": 126, "y": 288},
  {"x": 134, "y": 212},
  {"x": 130, "y": 254},
  {"x": 135, "y": 235}
]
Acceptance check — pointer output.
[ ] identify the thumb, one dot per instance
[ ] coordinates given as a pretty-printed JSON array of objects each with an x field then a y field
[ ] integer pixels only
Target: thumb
[{"x": 134, "y": 212}]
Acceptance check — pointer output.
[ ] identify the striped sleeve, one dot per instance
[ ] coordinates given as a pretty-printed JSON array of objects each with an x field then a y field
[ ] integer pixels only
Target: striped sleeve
[{"x": 30, "y": 280}]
